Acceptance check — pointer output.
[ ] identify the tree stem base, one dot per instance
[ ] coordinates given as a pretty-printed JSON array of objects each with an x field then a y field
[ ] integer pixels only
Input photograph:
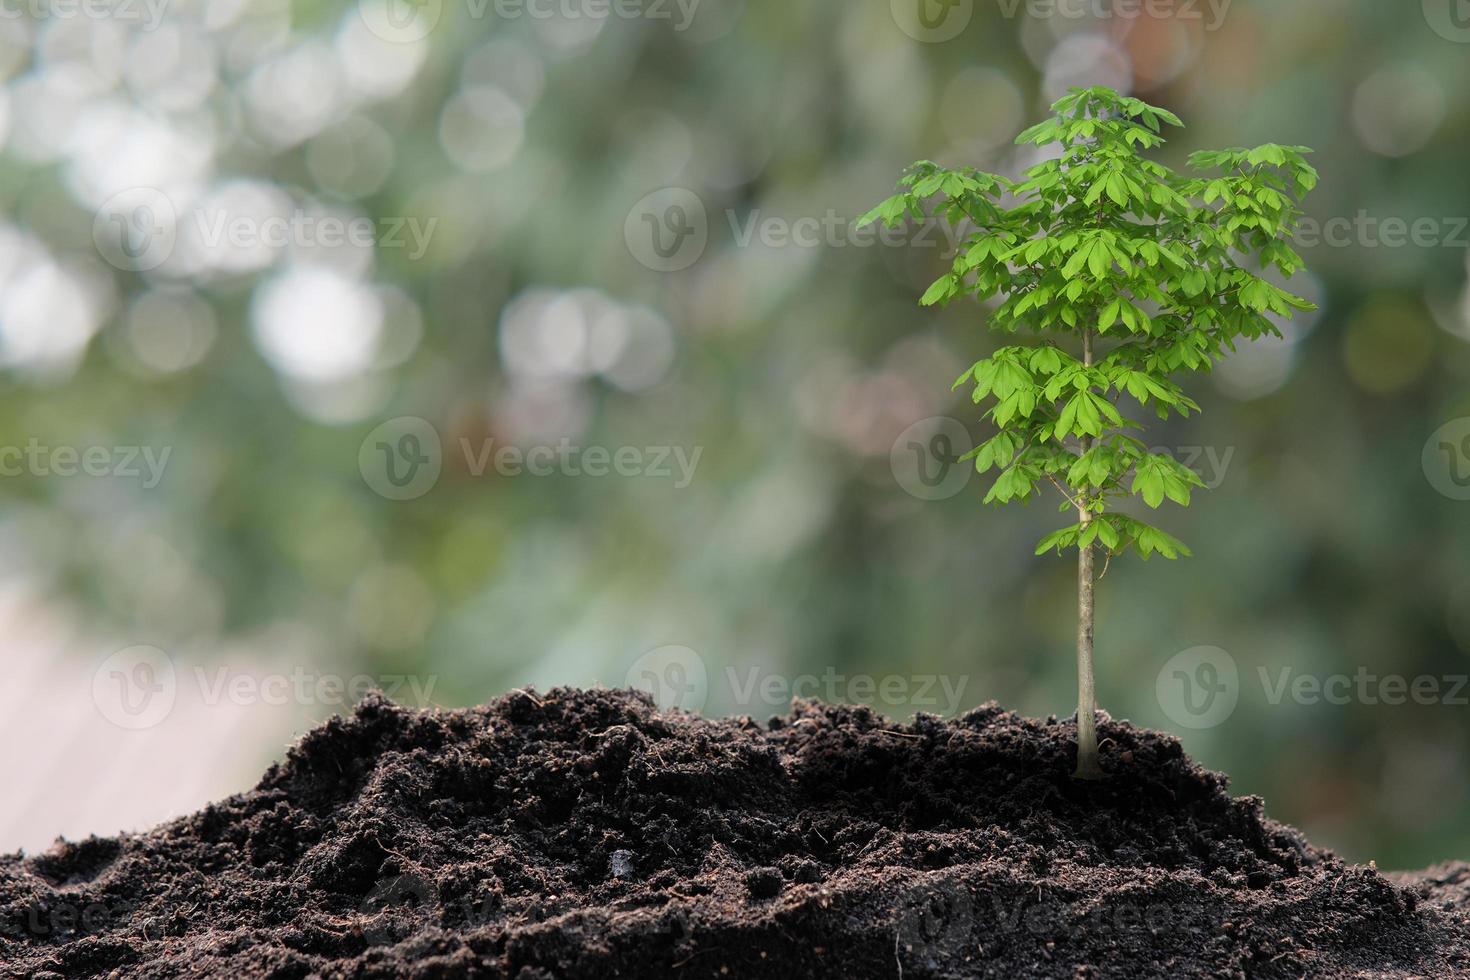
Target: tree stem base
[{"x": 1090, "y": 772}]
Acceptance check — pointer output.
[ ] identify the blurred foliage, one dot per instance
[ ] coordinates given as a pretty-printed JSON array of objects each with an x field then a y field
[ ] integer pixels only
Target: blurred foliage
[{"x": 533, "y": 316}]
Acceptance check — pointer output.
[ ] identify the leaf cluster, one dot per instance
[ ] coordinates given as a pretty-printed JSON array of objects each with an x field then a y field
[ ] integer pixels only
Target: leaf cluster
[{"x": 1099, "y": 246}]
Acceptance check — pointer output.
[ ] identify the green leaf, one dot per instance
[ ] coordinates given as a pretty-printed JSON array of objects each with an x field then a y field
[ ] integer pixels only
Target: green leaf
[
  {"x": 929, "y": 186},
  {"x": 1151, "y": 485},
  {"x": 1067, "y": 423},
  {"x": 942, "y": 291},
  {"x": 1075, "y": 263},
  {"x": 1046, "y": 360},
  {"x": 1151, "y": 540},
  {"x": 1167, "y": 116},
  {"x": 1088, "y": 419},
  {"x": 1108, "y": 410},
  {"x": 891, "y": 211},
  {"x": 1057, "y": 540}
]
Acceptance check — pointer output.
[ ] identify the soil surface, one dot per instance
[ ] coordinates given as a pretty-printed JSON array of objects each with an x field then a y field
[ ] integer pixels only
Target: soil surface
[{"x": 588, "y": 835}]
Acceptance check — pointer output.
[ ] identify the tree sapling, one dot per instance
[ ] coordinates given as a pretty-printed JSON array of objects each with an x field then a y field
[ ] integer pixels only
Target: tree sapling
[{"x": 1131, "y": 273}]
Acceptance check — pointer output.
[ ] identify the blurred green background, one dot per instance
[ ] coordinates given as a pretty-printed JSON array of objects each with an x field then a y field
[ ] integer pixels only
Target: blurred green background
[{"x": 265, "y": 237}]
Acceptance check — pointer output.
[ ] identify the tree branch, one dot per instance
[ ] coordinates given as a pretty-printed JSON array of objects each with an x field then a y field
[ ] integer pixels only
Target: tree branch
[{"x": 1062, "y": 490}]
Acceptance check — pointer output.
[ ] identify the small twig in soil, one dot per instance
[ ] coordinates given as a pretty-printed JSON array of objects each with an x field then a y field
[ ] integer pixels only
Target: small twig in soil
[
  {"x": 688, "y": 959},
  {"x": 408, "y": 861}
]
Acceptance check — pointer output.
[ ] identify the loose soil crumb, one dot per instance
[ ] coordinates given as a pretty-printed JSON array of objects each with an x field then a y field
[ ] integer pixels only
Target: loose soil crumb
[{"x": 586, "y": 834}]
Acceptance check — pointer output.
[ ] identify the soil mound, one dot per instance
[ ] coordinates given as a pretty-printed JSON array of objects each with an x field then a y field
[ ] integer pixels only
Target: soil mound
[{"x": 586, "y": 834}]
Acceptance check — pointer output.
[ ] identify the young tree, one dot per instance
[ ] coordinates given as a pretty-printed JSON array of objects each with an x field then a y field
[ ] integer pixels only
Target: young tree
[{"x": 1132, "y": 273}]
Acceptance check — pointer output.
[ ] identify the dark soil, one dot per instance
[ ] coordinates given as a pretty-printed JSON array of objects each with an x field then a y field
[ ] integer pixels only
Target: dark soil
[{"x": 588, "y": 835}]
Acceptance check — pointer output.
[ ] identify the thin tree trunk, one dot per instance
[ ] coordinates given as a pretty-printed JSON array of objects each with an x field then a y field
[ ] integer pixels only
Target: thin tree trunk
[{"x": 1087, "y": 764}]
